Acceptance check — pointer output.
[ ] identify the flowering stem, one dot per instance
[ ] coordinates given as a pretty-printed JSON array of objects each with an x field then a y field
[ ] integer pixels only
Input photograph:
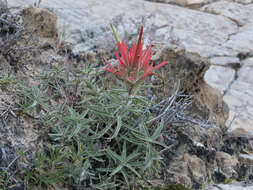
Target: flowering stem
[{"x": 115, "y": 33}]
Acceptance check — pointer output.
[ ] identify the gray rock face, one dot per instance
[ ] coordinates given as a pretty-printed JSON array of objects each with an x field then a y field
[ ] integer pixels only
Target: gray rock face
[
  {"x": 185, "y": 3},
  {"x": 87, "y": 26},
  {"x": 222, "y": 79},
  {"x": 240, "y": 98},
  {"x": 233, "y": 186},
  {"x": 240, "y": 14},
  {"x": 245, "y": 2}
]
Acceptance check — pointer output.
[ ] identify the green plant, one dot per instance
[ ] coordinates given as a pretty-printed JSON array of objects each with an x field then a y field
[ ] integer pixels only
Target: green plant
[
  {"x": 33, "y": 98},
  {"x": 4, "y": 179},
  {"x": 6, "y": 80},
  {"x": 106, "y": 141},
  {"x": 170, "y": 187},
  {"x": 101, "y": 136},
  {"x": 49, "y": 169}
]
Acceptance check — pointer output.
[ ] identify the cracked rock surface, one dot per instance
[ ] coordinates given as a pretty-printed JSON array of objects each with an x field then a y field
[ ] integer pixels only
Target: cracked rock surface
[{"x": 240, "y": 97}]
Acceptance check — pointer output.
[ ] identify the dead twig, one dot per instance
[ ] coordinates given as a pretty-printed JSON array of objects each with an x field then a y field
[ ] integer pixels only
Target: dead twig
[{"x": 170, "y": 102}]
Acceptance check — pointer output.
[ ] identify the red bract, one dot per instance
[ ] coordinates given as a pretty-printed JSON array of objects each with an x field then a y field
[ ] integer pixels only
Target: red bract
[{"x": 133, "y": 65}]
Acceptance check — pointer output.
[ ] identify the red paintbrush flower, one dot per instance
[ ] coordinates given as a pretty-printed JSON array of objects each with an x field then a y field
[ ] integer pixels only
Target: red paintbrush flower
[{"x": 133, "y": 65}]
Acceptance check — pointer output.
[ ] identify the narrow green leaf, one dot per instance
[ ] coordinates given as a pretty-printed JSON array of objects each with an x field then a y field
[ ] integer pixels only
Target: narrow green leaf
[
  {"x": 116, "y": 170},
  {"x": 97, "y": 111},
  {"x": 104, "y": 186},
  {"x": 115, "y": 33},
  {"x": 146, "y": 133},
  {"x": 119, "y": 123},
  {"x": 131, "y": 128},
  {"x": 72, "y": 111},
  {"x": 132, "y": 156},
  {"x": 102, "y": 132},
  {"x": 142, "y": 100},
  {"x": 32, "y": 105},
  {"x": 157, "y": 131},
  {"x": 125, "y": 176},
  {"x": 133, "y": 170},
  {"x": 83, "y": 115},
  {"x": 115, "y": 156},
  {"x": 75, "y": 131},
  {"x": 124, "y": 151},
  {"x": 104, "y": 169},
  {"x": 98, "y": 159},
  {"x": 133, "y": 140},
  {"x": 149, "y": 139},
  {"x": 158, "y": 143}
]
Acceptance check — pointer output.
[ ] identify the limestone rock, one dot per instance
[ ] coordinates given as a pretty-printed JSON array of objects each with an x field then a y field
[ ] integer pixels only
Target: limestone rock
[
  {"x": 241, "y": 133},
  {"x": 246, "y": 162},
  {"x": 227, "y": 164},
  {"x": 238, "y": 141},
  {"x": 188, "y": 170},
  {"x": 178, "y": 173},
  {"x": 225, "y": 61},
  {"x": 88, "y": 26},
  {"x": 242, "y": 41},
  {"x": 245, "y": 2},
  {"x": 225, "y": 160},
  {"x": 246, "y": 159},
  {"x": 240, "y": 98},
  {"x": 238, "y": 13},
  {"x": 220, "y": 77},
  {"x": 182, "y": 179},
  {"x": 189, "y": 68},
  {"x": 230, "y": 186},
  {"x": 42, "y": 20},
  {"x": 248, "y": 62},
  {"x": 185, "y": 3},
  {"x": 211, "y": 100},
  {"x": 197, "y": 168}
]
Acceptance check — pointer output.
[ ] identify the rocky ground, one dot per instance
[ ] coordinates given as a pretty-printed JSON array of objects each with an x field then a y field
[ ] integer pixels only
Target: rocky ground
[{"x": 208, "y": 43}]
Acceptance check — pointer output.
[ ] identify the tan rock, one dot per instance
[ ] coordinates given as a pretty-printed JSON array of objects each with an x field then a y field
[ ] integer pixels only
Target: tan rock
[
  {"x": 178, "y": 172},
  {"x": 224, "y": 160},
  {"x": 41, "y": 21},
  {"x": 241, "y": 132},
  {"x": 197, "y": 168},
  {"x": 190, "y": 69},
  {"x": 182, "y": 179},
  {"x": 211, "y": 100},
  {"x": 246, "y": 159}
]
